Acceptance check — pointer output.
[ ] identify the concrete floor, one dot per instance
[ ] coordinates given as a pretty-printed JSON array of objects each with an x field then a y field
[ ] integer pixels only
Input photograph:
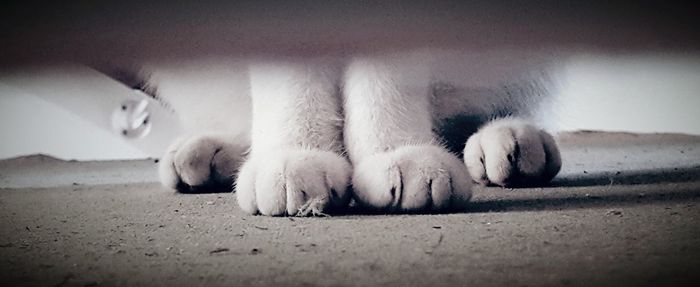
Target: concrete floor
[{"x": 625, "y": 211}]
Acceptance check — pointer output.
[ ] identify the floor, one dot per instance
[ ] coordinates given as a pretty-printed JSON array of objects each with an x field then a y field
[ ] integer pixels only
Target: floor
[{"x": 625, "y": 211}]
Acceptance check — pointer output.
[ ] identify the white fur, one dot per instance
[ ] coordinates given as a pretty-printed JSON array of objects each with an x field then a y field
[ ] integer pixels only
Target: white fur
[
  {"x": 511, "y": 151},
  {"x": 293, "y": 182},
  {"x": 210, "y": 95},
  {"x": 412, "y": 178},
  {"x": 380, "y": 111},
  {"x": 295, "y": 166},
  {"x": 389, "y": 137},
  {"x": 201, "y": 160},
  {"x": 212, "y": 99}
]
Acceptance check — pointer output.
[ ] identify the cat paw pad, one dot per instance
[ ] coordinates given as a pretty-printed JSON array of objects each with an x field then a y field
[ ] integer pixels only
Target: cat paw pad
[
  {"x": 201, "y": 164},
  {"x": 412, "y": 179},
  {"x": 510, "y": 152},
  {"x": 293, "y": 182}
]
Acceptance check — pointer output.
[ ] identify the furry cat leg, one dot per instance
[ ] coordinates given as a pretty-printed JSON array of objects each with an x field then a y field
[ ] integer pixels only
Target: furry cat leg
[
  {"x": 398, "y": 164},
  {"x": 212, "y": 102},
  {"x": 295, "y": 166}
]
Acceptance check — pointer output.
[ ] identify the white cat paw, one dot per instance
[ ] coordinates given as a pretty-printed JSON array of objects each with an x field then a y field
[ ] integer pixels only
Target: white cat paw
[
  {"x": 510, "y": 152},
  {"x": 412, "y": 179},
  {"x": 294, "y": 182},
  {"x": 201, "y": 164}
]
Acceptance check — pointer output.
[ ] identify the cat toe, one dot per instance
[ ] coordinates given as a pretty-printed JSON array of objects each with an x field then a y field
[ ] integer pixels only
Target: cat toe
[
  {"x": 412, "y": 179},
  {"x": 510, "y": 152},
  {"x": 200, "y": 164},
  {"x": 297, "y": 183}
]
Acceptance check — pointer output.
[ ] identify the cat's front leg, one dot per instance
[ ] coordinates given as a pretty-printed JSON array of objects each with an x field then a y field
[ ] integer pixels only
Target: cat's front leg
[
  {"x": 295, "y": 165},
  {"x": 398, "y": 164},
  {"x": 511, "y": 152},
  {"x": 203, "y": 162}
]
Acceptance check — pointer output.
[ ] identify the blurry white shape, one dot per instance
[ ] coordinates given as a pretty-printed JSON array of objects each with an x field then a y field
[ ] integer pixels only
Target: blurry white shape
[
  {"x": 30, "y": 125},
  {"x": 91, "y": 96},
  {"x": 67, "y": 111},
  {"x": 131, "y": 119},
  {"x": 635, "y": 93}
]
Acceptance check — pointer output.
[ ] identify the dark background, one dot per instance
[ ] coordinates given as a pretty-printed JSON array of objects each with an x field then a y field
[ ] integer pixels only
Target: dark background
[{"x": 107, "y": 32}]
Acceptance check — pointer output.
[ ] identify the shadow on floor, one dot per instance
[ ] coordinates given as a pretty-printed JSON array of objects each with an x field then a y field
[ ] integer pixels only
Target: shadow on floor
[
  {"x": 633, "y": 177},
  {"x": 582, "y": 201},
  {"x": 625, "y": 188}
]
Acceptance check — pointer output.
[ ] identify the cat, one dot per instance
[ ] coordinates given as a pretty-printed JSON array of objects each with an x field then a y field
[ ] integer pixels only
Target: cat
[{"x": 307, "y": 136}]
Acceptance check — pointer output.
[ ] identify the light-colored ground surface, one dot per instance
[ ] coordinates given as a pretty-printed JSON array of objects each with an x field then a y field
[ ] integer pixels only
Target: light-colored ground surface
[{"x": 624, "y": 212}]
